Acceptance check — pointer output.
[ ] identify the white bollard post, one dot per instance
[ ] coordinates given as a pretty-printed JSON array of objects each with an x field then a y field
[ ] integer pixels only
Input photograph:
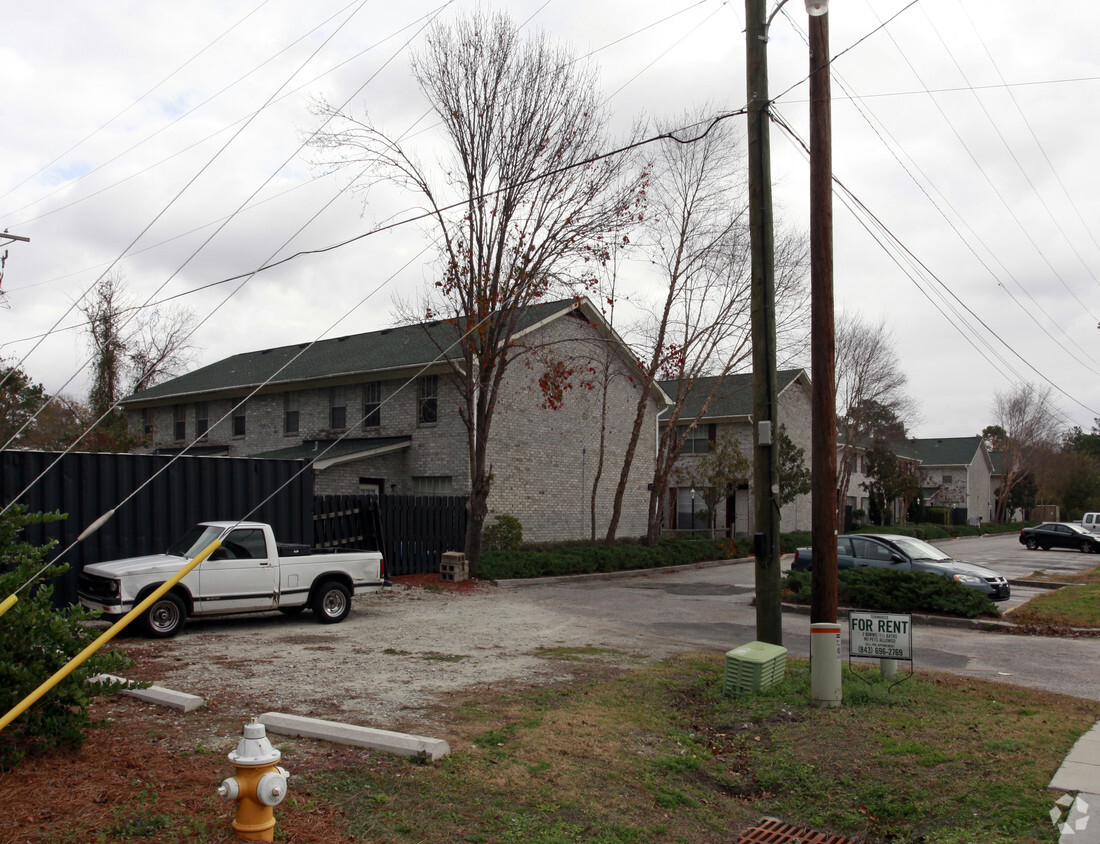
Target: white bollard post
[{"x": 825, "y": 682}]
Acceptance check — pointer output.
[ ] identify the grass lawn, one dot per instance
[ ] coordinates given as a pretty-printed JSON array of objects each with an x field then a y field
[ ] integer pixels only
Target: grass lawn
[
  {"x": 1077, "y": 605},
  {"x": 658, "y": 754}
]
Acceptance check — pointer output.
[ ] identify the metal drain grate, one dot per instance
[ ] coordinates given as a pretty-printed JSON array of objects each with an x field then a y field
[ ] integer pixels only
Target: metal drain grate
[{"x": 772, "y": 831}]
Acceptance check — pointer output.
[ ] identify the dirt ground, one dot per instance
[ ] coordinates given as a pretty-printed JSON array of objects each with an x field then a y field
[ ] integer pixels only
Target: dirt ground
[{"x": 397, "y": 662}]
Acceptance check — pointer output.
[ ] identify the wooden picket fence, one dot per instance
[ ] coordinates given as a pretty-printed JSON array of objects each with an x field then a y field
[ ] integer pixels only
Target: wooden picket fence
[{"x": 412, "y": 532}]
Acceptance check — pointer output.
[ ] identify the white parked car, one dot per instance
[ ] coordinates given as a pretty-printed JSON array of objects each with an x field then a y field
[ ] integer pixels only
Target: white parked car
[{"x": 249, "y": 572}]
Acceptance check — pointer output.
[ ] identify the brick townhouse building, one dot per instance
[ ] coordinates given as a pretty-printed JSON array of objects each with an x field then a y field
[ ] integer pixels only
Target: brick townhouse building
[
  {"x": 378, "y": 413},
  {"x": 730, "y": 412}
]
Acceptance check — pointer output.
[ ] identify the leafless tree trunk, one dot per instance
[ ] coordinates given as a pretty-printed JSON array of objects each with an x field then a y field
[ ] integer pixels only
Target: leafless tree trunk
[
  {"x": 697, "y": 234},
  {"x": 868, "y": 378},
  {"x": 1027, "y": 416},
  {"x": 522, "y": 121}
]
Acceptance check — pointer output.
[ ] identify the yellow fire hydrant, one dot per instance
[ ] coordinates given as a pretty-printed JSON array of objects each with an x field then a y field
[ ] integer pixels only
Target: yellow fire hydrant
[{"x": 259, "y": 786}]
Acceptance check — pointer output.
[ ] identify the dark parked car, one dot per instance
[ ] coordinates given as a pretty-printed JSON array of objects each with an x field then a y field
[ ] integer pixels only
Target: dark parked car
[
  {"x": 1060, "y": 535},
  {"x": 904, "y": 553}
]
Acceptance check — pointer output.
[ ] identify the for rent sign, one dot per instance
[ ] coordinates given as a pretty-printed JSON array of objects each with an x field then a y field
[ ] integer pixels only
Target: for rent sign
[{"x": 879, "y": 634}]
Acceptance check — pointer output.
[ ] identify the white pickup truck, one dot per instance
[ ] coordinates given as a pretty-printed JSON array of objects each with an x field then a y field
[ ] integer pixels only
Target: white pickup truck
[{"x": 249, "y": 572}]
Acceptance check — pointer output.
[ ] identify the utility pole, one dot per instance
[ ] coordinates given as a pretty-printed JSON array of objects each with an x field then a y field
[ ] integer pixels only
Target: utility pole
[
  {"x": 769, "y": 612},
  {"x": 822, "y": 331}
]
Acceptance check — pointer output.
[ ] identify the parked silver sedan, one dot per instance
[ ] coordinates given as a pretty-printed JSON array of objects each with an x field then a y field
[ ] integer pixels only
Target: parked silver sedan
[{"x": 906, "y": 553}]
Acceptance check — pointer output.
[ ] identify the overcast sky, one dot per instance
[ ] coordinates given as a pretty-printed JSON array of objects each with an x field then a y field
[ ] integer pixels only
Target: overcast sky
[{"x": 968, "y": 129}]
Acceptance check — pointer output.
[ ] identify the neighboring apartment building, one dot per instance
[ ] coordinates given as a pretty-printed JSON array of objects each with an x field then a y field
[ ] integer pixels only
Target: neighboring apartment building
[
  {"x": 378, "y": 413},
  {"x": 954, "y": 472},
  {"x": 731, "y": 412}
]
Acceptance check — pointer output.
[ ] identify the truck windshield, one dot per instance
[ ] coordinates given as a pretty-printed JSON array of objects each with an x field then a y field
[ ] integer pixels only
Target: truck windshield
[{"x": 193, "y": 541}]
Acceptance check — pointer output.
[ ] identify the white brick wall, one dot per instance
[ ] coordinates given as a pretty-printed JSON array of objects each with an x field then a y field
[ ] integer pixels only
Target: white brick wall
[{"x": 543, "y": 460}]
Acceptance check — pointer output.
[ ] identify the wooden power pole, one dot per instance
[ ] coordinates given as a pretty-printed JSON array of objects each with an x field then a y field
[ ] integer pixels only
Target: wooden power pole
[
  {"x": 769, "y": 611},
  {"x": 823, "y": 494}
]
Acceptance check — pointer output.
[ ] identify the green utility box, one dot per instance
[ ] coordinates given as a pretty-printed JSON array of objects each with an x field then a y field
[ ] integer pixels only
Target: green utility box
[{"x": 752, "y": 667}]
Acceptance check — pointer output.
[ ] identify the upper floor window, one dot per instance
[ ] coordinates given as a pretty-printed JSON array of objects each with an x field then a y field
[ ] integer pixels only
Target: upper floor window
[
  {"x": 179, "y": 423},
  {"x": 427, "y": 400},
  {"x": 337, "y": 409},
  {"x": 239, "y": 420},
  {"x": 290, "y": 413},
  {"x": 147, "y": 421},
  {"x": 697, "y": 441},
  {"x": 202, "y": 419},
  {"x": 948, "y": 479},
  {"x": 372, "y": 404}
]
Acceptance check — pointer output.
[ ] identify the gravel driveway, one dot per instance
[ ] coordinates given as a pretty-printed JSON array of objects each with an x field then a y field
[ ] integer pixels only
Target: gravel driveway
[{"x": 388, "y": 660}]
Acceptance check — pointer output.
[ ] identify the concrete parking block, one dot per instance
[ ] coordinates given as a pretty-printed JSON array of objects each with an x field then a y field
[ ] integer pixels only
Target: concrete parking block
[
  {"x": 403, "y": 744},
  {"x": 155, "y": 694}
]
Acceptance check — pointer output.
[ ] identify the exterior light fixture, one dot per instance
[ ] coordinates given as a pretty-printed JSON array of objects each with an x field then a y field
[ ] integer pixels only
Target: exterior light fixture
[{"x": 816, "y": 8}]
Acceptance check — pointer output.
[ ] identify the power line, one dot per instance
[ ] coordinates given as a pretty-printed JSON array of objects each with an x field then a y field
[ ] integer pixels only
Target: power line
[
  {"x": 895, "y": 241},
  {"x": 107, "y": 123}
]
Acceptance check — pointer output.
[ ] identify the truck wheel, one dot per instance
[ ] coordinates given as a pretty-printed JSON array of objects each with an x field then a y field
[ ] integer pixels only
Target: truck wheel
[
  {"x": 165, "y": 618},
  {"x": 331, "y": 602}
]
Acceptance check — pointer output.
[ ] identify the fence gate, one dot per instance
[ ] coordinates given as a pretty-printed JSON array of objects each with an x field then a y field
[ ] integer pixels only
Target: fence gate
[{"x": 412, "y": 532}]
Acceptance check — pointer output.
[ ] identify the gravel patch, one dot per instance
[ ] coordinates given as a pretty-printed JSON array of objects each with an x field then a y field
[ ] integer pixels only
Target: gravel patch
[{"x": 392, "y": 659}]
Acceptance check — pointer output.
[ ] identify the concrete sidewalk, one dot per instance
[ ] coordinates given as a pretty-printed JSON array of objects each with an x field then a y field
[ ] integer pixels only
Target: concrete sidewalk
[{"x": 1079, "y": 819}]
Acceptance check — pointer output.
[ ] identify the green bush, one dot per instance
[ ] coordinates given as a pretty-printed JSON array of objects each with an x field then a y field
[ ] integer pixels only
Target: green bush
[
  {"x": 592, "y": 558},
  {"x": 36, "y": 641},
  {"x": 506, "y": 534},
  {"x": 896, "y": 591}
]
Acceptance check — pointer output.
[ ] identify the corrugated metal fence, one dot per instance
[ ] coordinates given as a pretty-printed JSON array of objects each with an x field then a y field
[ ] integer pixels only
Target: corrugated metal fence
[{"x": 190, "y": 490}]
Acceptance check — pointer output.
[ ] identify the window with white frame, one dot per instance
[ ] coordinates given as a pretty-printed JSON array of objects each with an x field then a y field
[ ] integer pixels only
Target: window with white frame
[
  {"x": 697, "y": 441},
  {"x": 239, "y": 420},
  {"x": 338, "y": 408},
  {"x": 427, "y": 400},
  {"x": 372, "y": 404},
  {"x": 179, "y": 423},
  {"x": 202, "y": 419},
  {"x": 290, "y": 413}
]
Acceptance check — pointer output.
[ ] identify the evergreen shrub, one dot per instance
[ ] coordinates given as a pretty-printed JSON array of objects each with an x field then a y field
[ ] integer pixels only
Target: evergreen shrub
[
  {"x": 36, "y": 641},
  {"x": 505, "y": 534},
  {"x": 885, "y": 590}
]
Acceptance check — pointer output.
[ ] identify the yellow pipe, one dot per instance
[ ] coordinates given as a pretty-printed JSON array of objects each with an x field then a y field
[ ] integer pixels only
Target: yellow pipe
[
  {"x": 65, "y": 671},
  {"x": 8, "y": 603}
]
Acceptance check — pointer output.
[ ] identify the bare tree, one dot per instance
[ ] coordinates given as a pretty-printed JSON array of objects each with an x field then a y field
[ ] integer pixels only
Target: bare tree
[
  {"x": 697, "y": 235},
  {"x": 870, "y": 387},
  {"x": 1028, "y": 419},
  {"x": 523, "y": 126},
  {"x": 133, "y": 348}
]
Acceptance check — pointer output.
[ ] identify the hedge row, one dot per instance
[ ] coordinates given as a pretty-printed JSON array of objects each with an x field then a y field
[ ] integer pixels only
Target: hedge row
[
  {"x": 931, "y": 531},
  {"x": 585, "y": 559},
  {"x": 884, "y": 590}
]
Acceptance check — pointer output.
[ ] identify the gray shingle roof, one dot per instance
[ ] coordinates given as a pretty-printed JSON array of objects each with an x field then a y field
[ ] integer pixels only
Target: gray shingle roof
[
  {"x": 734, "y": 397},
  {"x": 375, "y": 351},
  {"x": 946, "y": 451}
]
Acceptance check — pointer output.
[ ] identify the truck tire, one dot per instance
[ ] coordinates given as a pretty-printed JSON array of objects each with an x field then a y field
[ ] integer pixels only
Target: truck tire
[
  {"x": 331, "y": 602},
  {"x": 165, "y": 618}
]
